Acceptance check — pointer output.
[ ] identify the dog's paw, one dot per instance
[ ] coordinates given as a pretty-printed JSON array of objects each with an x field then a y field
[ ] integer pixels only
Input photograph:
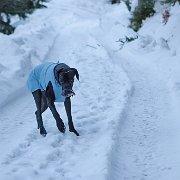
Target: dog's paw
[
  {"x": 74, "y": 131},
  {"x": 61, "y": 127},
  {"x": 43, "y": 135},
  {"x": 43, "y": 131}
]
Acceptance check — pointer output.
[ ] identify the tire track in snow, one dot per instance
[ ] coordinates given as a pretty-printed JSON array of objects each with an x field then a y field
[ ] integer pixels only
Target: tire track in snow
[
  {"x": 135, "y": 155},
  {"x": 16, "y": 118}
]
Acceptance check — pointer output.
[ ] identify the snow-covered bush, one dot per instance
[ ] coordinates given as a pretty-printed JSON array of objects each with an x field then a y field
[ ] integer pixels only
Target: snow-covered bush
[
  {"x": 172, "y": 2},
  {"x": 146, "y": 9}
]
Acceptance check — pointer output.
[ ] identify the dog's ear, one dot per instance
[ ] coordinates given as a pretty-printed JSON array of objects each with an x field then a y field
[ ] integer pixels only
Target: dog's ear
[
  {"x": 59, "y": 71},
  {"x": 75, "y": 73}
]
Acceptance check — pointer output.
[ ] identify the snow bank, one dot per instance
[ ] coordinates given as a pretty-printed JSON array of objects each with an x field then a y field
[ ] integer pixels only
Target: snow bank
[
  {"x": 160, "y": 43},
  {"x": 19, "y": 52}
]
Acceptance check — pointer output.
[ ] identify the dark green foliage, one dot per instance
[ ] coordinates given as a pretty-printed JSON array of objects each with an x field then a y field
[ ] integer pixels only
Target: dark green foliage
[
  {"x": 9, "y": 8},
  {"x": 115, "y": 1},
  {"x": 127, "y": 2},
  {"x": 172, "y": 2},
  {"x": 126, "y": 39},
  {"x": 6, "y": 28},
  {"x": 141, "y": 13}
]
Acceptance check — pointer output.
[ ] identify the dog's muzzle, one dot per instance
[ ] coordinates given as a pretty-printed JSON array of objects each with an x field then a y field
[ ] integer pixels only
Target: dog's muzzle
[{"x": 68, "y": 93}]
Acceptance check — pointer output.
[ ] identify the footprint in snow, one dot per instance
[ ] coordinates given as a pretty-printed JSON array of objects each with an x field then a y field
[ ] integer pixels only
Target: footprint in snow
[
  {"x": 54, "y": 155},
  {"x": 21, "y": 149}
]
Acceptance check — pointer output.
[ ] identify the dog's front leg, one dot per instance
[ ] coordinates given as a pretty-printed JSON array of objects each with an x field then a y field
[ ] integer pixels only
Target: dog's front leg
[
  {"x": 38, "y": 98},
  {"x": 67, "y": 105},
  {"x": 59, "y": 121}
]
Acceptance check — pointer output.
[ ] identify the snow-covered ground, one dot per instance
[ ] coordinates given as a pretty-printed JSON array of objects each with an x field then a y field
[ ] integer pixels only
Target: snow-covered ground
[
  {"x": 148, "y": 143},
  {"x": 127, "y": 104}
]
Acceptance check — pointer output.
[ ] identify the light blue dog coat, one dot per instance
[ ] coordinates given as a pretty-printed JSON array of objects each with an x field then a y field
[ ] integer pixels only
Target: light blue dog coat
[{"x": 41, "y": 75}]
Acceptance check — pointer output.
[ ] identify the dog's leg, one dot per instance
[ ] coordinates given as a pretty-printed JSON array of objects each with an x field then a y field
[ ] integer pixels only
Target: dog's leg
[
  {"x": 37, "y": 97},
  {"x": 67, "y": 105},
  {"x": 44, "y": 104},
  {"x": 59, "y": 121}
]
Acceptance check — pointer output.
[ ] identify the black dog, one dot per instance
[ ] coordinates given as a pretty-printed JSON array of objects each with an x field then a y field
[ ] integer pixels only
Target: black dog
[{"x": 49, "y": 83}]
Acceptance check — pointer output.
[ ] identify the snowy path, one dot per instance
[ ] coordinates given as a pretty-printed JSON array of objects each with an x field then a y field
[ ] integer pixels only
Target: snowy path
[
  {"x": 147, "y": 146},
  {"x": 16, "y": 118},
  {"x": 94, "y": 112},
  {"x": 26, "y": 155}
]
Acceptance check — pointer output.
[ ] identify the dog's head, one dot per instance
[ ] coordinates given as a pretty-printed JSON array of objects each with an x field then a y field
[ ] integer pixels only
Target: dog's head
[{"x": 66, "y": 80}]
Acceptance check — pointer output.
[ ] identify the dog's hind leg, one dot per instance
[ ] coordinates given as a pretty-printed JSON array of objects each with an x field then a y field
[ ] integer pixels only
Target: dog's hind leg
[
  {"x": 38, "y": 98},
  {"x": 44, "y": 105}
]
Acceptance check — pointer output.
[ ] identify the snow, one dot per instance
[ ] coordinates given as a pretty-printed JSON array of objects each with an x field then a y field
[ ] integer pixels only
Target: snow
[
  {"x": 126, "y": 107},
  {"x": 149, "y": 139}
]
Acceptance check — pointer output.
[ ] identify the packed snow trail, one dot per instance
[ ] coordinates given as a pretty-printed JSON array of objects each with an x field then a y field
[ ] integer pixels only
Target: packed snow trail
[
  {"x": 17, "y": 117},
  {"x": 147, "y": 144}
]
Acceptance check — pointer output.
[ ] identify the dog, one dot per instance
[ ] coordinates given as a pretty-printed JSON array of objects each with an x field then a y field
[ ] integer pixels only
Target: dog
[{"x": 52, "y": 82}]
